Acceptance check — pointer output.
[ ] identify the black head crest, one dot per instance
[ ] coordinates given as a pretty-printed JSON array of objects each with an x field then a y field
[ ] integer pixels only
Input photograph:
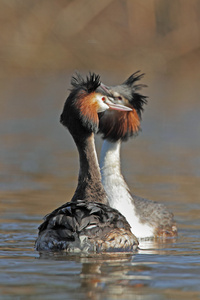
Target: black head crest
[
  {"x": 136, "y": 100},
  {"x": 133, "y": 78},
  {"x": 90, "y": 84}
]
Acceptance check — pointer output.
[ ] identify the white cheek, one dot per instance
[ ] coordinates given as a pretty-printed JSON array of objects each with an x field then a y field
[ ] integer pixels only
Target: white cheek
[{"x": 102, "y": 106}]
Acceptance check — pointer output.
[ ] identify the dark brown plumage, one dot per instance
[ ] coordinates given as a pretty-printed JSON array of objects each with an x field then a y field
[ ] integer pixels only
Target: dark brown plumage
[{"x": 86, "y": 226}]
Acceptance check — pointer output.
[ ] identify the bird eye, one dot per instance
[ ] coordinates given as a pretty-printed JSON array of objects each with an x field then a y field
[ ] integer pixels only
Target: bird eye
[
  {"x": 120, "y": 98},
  {"x": 103, "y": 98}
]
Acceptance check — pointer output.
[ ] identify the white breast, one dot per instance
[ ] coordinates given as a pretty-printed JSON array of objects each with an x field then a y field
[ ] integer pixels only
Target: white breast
[{"x": 119, "y": 196}]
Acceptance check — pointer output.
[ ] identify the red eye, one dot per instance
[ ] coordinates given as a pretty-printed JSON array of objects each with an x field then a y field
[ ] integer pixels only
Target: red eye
[{"x": 103, "y": 98}]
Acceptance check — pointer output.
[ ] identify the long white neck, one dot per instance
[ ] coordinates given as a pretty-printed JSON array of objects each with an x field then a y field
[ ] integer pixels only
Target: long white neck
[
  {"x": 117, "y": 190},
  {"x": 111, "y": 177}
]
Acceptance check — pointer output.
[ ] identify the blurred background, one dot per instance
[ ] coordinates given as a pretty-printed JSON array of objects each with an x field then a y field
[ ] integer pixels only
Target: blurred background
[
  {"x": 109, "y": 35},
  {"x": 42, "y": 43}
]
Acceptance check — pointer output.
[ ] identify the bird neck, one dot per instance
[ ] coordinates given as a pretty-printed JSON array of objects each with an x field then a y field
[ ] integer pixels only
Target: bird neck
[
  {"x": 89, "y": 185},
  {"x": 110, "y": 158},
  {"x": 114, "y": 184}
]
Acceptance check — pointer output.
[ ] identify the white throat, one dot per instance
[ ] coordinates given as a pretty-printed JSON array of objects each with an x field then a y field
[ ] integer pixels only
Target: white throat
[{"x": 118, "y": 193}]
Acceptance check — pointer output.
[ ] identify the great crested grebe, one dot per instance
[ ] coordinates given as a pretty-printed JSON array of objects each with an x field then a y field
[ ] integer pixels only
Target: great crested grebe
[
  {"x": 86, "y": 223},
  {"x": 147, "y": 218}
]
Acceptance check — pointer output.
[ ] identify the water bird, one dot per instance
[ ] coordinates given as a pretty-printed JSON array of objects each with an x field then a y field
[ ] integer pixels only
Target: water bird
[
  {"x": 87, "y": 223},
  {"x": 148, "y": 219}
]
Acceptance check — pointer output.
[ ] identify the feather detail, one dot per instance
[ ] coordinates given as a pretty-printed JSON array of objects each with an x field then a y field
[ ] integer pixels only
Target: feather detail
[{"x": 98, "y": 223}]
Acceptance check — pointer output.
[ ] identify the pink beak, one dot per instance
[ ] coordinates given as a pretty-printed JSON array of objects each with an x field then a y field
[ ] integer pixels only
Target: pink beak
[
  {"x": 115, "y": 106},
  {"x": 111, "y": 103}
]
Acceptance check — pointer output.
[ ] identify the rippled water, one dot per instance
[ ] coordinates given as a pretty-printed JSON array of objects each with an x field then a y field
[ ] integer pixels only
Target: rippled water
[{"x": 39, "y": 170}]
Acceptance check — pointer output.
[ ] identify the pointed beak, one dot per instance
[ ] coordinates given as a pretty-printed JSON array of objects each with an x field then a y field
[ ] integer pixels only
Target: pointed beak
[
  {"x": 111, "y": 102},
  {"x": 112, "y": 105}
]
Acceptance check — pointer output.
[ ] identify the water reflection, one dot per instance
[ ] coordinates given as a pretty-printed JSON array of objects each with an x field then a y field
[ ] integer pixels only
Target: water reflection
[{"x": 108, "y": 274}]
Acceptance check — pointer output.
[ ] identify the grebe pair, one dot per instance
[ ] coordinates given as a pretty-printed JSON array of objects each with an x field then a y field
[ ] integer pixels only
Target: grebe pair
[
  {"x": 147, "y": 218},
  {"x": 86, "y": 223}
]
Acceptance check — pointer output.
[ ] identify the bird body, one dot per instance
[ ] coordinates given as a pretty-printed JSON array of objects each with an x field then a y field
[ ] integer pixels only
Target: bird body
[
  {"x": 86, "y": 223},
  {"x": 147, "y": 218},
  {"x": 83, "y": 226}
]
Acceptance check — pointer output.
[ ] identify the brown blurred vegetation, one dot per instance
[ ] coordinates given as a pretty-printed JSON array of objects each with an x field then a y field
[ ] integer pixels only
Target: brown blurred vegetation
[{"x": 118, "y": 35}]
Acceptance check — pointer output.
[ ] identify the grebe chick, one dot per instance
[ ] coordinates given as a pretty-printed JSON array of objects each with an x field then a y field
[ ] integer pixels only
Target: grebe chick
[
  {"x": 86, "y": 223},
  {"x": 147, "y": 218}
]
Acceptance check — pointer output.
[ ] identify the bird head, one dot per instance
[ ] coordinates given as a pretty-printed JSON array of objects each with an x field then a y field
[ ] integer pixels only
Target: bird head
[
  {"x": 115, "y": 125},
  {"x": 84, "y": 103}
]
